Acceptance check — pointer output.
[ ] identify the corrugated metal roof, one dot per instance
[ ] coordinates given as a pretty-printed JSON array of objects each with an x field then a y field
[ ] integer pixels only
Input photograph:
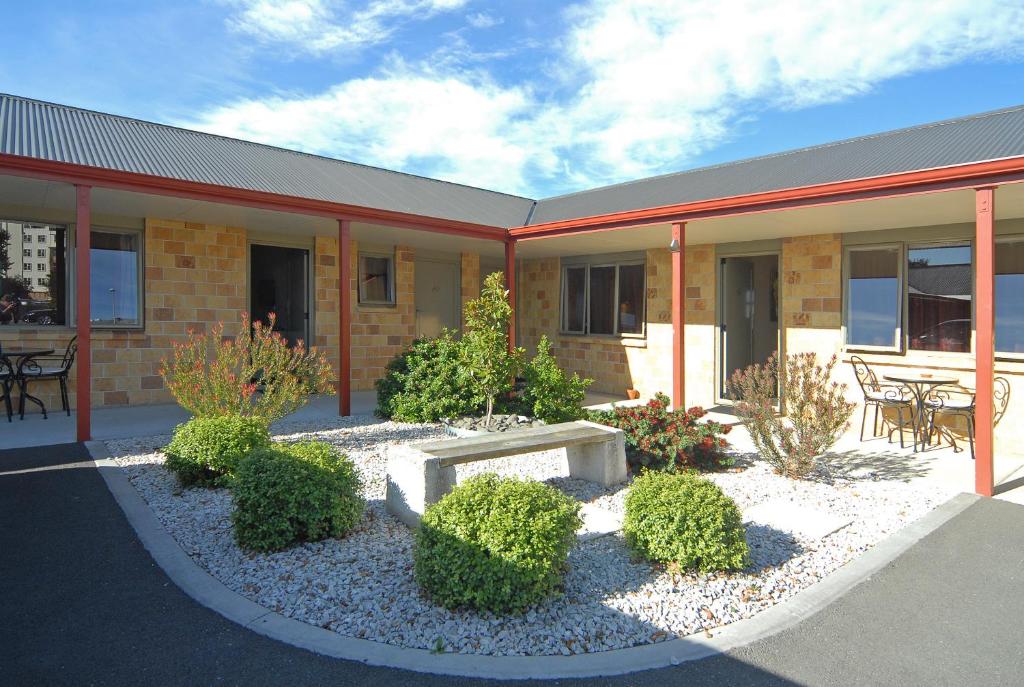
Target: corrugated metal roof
[
  {"x": 988, "y": 136},
  {"x": 66, "y": 134}
]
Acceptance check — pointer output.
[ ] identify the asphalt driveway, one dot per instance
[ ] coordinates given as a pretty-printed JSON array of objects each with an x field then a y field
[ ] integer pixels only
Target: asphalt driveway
[{"x": 82, "y": 603}]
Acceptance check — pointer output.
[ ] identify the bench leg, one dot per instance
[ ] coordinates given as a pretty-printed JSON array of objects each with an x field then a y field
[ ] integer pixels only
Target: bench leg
[
  {"x": 415, "y": 480},
  {"x": 604, "y": 462}
]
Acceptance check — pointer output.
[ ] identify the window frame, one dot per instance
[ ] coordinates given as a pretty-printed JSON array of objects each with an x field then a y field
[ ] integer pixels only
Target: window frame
[
  {"x": 71, "y": 269},
  {"x": 899, "y": 344},
  {"x": 391, "y": 287},
  {"x": 1002, "y": 355},
  {"x": 939, "y": 243},
  {"x": 587, "y": 263}
]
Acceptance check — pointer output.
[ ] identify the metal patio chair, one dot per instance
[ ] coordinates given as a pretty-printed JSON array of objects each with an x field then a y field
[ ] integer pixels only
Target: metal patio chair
[
  {"x": 44, "y": 368},
  {"x": 961, "y": 401},
  {"x": 881, "y": 395}
]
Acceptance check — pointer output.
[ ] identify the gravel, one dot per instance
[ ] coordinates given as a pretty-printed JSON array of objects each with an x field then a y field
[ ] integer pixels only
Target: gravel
[
  {"x": 499, "y": 423},
  {"x": 363, "y": 586}
]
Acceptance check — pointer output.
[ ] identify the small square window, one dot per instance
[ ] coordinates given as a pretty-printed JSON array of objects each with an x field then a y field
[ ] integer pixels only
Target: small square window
[
  {"x": 41, "y": 266},
  {"x": 40, "y": 252},
  {"x": 27, "y": 252},
  {"x": 26, "y": 266},
  {"x": 376, "y": 279},
  {"x": 28, "y": 238}
]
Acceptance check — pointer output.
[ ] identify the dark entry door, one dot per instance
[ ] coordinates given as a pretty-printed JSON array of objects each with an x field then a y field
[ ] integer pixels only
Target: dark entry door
[
  {"x": 279, "y": 283},
  {"x": 749, "y": 325}
]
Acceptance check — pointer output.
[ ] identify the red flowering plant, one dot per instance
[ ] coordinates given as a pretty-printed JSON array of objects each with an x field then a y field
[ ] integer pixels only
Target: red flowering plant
[
  {"x": 255, "y": 374},
  {"x": 658, "y": 438}
]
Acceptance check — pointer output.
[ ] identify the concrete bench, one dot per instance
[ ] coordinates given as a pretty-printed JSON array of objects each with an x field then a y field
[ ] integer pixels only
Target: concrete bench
[{"x": 420, "y": 474}]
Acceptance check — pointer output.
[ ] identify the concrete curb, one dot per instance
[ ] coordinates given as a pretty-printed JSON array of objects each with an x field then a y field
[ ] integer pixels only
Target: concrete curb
[{"x": 210, "y": 592}]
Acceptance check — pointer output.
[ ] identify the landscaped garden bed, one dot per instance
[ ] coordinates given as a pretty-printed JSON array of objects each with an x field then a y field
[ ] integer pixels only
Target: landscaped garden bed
[{"x": 363, "y": 584}]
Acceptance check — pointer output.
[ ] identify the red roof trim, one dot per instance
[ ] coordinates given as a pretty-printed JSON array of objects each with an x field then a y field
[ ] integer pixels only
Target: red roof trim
[
  {"x": 17, "y": 165},
  {"x": 903, "y": 183}
]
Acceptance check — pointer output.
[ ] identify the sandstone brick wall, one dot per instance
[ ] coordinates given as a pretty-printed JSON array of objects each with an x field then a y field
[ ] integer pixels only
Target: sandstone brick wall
[
  {"x": 379, "y": 333},
  {"x": 195, "y": 276},
  {"x": 617, "y": 364},
  {"x": 470, "y": 281}
]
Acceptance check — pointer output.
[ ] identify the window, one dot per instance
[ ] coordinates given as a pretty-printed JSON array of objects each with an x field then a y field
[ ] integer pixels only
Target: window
[
  {"x": 116, "y": 278},
  {"x": 873, "y": 297},
  {"x": 27, "y": 252},
  {"x": 376, "y": 279},
  {"x": 603, "y": 298},
  {"x": 939, "y": 298},
  {"x": 40, "y": 252},
  {"x": 1010, "y": 296},
  {"x": 28, "y": 238},
  {"x": 115, "y": 294}
]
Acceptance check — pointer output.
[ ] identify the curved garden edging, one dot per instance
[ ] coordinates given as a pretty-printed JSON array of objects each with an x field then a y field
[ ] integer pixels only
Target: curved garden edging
[{"x": 208, "y": 591}]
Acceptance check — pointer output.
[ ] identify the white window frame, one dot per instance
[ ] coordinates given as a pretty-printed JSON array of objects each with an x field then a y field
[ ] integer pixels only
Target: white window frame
[
  {"x": 391, "y": 290},
  {"x": 587, "y": 265},
  {"x": 921, "y": 245},
  {"x": 901, "y": 303}
]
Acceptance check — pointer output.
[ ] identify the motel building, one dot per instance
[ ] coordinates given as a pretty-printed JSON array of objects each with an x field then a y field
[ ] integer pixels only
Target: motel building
[{"x": 904, "y": 249}]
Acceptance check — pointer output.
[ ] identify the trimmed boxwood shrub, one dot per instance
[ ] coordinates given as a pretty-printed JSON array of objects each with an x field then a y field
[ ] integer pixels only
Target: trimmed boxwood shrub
[
  {"x": 426, "y": 383},
  {"x": 288, "y": 493},
  {"x": 495, "y": 544},
  {"x": 684, "y": 519},
  {"x": 206, "y": 450}
]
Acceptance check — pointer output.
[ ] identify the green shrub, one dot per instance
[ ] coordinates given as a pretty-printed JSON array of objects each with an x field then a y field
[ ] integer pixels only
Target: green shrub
[
  {"x": 684, "y": 519},
  {"x": 426, "y": 383},
  {"x": 550, "y": 394},
  {"x": 495, "y": 544},
  {"x": 206, "y": 450},
  {"x": 658, "y": 438},
  {"x": 288, "y": 493}
]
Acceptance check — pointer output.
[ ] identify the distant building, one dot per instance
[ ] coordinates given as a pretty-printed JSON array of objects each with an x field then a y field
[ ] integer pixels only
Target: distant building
[{"x": 31, "y": 251}]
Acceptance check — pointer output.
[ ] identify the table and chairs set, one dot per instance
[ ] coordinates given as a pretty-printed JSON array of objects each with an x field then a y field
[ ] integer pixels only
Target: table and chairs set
[
  {"x": 917, "y": 399},
  {"x": 24, "y": 366}
]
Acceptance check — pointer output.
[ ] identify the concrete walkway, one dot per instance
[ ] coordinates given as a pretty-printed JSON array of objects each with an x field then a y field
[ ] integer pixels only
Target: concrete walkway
[{"x": 82, "y": 602}]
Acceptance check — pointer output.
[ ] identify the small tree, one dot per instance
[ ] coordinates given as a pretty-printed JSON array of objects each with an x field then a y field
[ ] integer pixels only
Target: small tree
[
  {"x": 551, "y": 394},
  {"x": 490, "y": 365},
  {"x": 211, "y": 375},
  {"x": 816, "y": 408}
]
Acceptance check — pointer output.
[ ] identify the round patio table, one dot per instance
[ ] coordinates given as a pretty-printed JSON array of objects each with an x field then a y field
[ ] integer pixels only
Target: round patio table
[
  {"x": 21, "y": 355},
  {"x": 919, "y": 385}
]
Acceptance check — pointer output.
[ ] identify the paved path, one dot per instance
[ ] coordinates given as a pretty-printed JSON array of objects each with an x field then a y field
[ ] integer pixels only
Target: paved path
[{"x": 82, "y": 603}]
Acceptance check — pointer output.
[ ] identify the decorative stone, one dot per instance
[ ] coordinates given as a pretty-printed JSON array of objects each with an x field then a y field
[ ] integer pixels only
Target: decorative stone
[{"x": 798, "y": 519}]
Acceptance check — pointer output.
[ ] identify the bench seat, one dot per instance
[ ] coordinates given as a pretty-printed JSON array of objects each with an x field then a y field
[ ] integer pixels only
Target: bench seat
[{"x": 420, "y": 474}]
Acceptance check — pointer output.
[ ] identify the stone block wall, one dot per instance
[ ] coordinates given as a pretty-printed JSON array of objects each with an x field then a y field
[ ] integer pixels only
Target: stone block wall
[
  {"x": 195, "y": 276},
  {"x": 616, "y": 364}
]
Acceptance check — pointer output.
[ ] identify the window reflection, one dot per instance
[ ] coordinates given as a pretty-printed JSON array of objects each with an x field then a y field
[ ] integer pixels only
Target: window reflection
[{"x": 939, "y": 288}]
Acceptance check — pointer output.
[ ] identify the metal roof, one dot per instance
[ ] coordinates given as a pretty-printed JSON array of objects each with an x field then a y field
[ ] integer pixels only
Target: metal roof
[
  {"x": 977, "y": 138},
  {"x": 60, "y": 133},
  {"x": 66, "y": 134}
]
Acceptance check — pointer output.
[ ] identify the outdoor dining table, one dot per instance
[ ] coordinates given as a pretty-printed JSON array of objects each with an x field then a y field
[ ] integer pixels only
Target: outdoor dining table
[
  {"x": 919, "y": 385},
  {"x": 18, "y": 357}
]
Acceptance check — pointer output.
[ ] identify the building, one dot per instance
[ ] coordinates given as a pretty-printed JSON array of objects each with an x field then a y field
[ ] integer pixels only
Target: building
[{"x": 905, "y": 247}]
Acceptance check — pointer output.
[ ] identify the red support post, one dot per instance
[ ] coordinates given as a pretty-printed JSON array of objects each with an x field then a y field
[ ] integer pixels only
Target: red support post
[
  {"x": 510, "y": 284},
  {"x": 984, "y": 340},
  {"x": 83, "y": 387},
  {"x": 344, "y": 317},
  {"x": 678, "y": 248}
]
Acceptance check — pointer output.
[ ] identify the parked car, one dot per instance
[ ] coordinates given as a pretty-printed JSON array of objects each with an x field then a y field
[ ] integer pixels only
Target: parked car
[{"x": 951, "y": 335}]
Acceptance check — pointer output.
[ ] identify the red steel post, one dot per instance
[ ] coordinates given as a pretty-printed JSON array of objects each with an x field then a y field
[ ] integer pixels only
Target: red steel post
[
  {"x": 344, "y": 317},
  {"x": 678, "y": 248},
  {"x": 83, "y": 387},
  {"x": 984, "y": 482}
]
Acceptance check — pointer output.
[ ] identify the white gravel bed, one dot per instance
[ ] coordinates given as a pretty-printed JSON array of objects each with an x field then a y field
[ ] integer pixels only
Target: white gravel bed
[{"x": 363, "y": 585}]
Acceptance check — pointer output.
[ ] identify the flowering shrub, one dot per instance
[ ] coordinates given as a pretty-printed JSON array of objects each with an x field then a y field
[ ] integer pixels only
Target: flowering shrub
[
  {"x": 256, "y": 374},
  {"x": 816, "y": 408},
  {"x": 668, "y": 440}
]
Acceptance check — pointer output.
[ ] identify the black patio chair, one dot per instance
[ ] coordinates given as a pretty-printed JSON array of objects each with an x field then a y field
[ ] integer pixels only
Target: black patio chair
[
  {"x": 42, "y": 368},
  {"x": 7, "y": 382},
  {"x": 960, "y": 401},
  {"x": 881, "y": 395}
]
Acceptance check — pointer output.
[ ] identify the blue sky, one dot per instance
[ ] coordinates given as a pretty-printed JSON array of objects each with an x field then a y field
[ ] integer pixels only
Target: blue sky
[{"x": 529, "y": 97}]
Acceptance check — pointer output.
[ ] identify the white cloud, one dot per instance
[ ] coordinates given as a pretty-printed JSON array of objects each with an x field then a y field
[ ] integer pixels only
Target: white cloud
[
  {"x": 642, "y": 87},
  {"x": 319, "y": 26},
  {"x": 482, "y": 20}
]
